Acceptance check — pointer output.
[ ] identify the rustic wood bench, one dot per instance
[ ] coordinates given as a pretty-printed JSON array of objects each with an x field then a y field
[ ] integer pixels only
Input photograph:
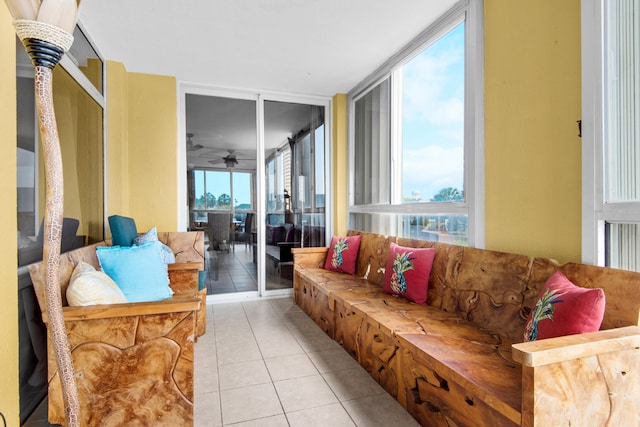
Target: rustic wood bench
[
  {"x": 133, "y": 362},
  {"x": 459, "y": 360}
]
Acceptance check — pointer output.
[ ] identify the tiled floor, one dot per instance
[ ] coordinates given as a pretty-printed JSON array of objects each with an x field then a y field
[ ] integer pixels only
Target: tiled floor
[{"x": 265, "y": 363}]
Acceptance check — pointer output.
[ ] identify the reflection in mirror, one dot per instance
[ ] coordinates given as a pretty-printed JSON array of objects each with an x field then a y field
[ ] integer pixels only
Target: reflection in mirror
[{"x": 80, "y": 127}]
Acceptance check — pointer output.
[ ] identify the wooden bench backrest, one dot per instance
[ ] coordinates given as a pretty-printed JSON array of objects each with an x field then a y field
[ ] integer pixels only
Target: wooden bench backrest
[
  {"x": 68, "y": 262},
  {"x": 496, "y": 290},
  {"x": 188, "y": 247}
]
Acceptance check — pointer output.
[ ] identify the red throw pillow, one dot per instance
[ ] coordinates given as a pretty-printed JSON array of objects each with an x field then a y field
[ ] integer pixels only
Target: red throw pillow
[
  {"x": 407, "y": 272},
  {"x": 342, "y": 254},
  {"x": 564, "y": 309}
]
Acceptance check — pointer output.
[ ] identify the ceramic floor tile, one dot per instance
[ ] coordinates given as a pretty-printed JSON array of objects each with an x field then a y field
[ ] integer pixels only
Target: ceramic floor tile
[
  {"x": 234, "y": 353},
  {"x": 266, "y": 334},
  {"x": 330, "y": 415},
  {"x": 206, "y": 411},
  {"x": 317, "y": 342},
  {"x": 271, "y": 327},
  {"x": 378, "y": 411},
  {"x": 287, "y": 367},
  {"x": 232, "y": 323},
  {"x": 206, "y": 378},
  {"x": 249, "y": 403},
  {"x": 284, "y": 305},
  {"x": 227, "y": 308},
  {"x": 304, "y": 393},
  {"x": 332, "y": 360},
  {"x": 275, "y": 421},
  {"x": 352, "y": 384},
  {"x": 279, "y": 347},
  {"x": 243, "y": 374},
  {"x": 300, "y": 324}
]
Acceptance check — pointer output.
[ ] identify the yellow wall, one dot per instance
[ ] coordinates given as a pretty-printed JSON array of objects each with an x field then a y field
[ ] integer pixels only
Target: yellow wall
[
  {"x": 152, "y": 151},
  {"x": 9, "y": 400},
  {"x": 117, "y": 140},
  {"x": 142, "y": 148},
  {"x": 532, "y": 148},
  {"x": 339, "y": 163}
]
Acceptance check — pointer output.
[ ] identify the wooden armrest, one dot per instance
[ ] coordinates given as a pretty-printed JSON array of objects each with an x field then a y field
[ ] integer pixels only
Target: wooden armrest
[
  {"x": 180, "y": 266},
  {"x": 105, "y": 311},
  {"x": 183, "y": 278},
  {"x": 555, "y": 350},
  {"x": 309, "y": 257}
]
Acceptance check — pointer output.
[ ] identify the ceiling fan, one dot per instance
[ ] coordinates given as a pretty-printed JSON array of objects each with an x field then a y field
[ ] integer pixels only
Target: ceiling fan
[
  {"x": 190, "y": 145},
  {"x": 230, "y": 160}
]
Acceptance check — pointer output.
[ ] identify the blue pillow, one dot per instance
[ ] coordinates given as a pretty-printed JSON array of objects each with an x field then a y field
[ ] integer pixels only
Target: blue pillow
[
  {"x": 137, "y": 270},
  {"x": 123, "y": 230},
  {"x": 152, "y": 236}
]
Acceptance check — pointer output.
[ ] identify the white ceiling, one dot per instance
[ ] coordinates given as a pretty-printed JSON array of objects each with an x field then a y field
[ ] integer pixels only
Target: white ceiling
[
  {"x": 309, "y": 47},
  {"x": 312, "y": 47}
]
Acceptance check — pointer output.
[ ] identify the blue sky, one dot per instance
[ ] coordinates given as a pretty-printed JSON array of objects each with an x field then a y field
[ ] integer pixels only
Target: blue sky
[{"x": 433, "y": 118}]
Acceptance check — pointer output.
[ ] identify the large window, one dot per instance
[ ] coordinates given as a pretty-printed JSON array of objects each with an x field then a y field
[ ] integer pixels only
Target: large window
[
  {"x": 415, "y": 138},
  {"x": 611, "y": 133},
  {"x": 221, "y": 191}
]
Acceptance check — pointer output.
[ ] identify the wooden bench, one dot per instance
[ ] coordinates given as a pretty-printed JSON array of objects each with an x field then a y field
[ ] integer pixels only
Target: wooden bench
[
  {"x": 459, "y": 360},
  {"x": 133, "y": 362}
]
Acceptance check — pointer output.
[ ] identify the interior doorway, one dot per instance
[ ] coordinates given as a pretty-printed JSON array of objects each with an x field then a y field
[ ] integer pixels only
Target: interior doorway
[{"x": 256, "y": 184}]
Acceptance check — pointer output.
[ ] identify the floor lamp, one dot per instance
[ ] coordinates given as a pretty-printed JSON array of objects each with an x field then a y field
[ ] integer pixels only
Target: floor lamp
[{"x": 45, "y": 29}]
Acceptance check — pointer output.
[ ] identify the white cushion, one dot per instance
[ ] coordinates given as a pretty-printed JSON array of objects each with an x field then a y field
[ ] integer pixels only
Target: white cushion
[{"x": 89, "y": 286}]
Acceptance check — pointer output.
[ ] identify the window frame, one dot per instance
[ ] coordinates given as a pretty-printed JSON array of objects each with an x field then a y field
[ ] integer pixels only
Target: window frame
[
  {"x": 471, "y": 13},
  {"x": 596, "y": 211}
]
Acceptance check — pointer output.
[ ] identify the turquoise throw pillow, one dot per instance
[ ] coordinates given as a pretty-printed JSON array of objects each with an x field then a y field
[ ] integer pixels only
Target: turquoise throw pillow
[
  {"x": 123, "y": 230},
  {"x": 137, "y": 270}
]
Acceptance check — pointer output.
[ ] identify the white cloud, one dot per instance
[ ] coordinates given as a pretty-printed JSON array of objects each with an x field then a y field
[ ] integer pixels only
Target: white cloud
[
  {"x": 433, "y": 87},
  {"x": 431, "y": 168}
]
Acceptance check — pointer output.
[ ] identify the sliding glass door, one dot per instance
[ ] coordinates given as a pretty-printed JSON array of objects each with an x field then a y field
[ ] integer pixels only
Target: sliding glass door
[
  {"x": 256, "y": 183},
  {"x": 221, "y": 158},
  {"x": 294, "y": 152}
]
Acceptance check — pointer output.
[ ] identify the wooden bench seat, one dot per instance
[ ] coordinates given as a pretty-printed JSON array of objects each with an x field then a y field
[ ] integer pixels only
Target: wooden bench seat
[{"x": 459, "y": 360}]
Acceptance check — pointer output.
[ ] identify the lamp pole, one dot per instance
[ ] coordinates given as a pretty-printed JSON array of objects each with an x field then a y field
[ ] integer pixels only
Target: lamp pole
[{"x": 45, "y": 30}]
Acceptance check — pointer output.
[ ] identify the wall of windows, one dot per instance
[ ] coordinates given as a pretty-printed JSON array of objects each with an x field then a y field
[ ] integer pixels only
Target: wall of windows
[
  {"x": 216, "y": 190},
  {"x": 611, "y": 133},
  {"x": 415, "y": 150}
]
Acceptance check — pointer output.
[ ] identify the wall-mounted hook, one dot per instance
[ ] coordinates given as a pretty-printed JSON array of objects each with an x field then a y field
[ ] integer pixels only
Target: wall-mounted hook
[{"x": 579, "y": 128}]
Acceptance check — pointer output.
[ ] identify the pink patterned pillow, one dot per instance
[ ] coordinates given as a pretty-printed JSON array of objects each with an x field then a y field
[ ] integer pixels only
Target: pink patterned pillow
[
  {"x": 407, "y": 272},
  {"x": 342, "y": 254},
  {"x": 564, "y": 309}
]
